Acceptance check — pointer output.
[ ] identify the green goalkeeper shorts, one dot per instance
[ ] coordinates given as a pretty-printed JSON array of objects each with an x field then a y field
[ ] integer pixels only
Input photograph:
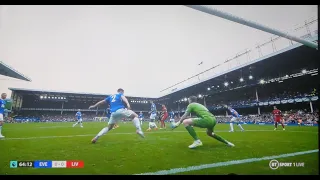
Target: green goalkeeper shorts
[{"x": 207, "y": 122}]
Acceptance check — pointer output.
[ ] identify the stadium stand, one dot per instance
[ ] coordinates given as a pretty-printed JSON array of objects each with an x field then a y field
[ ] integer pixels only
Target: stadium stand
[{"x": 39, "y": 105}]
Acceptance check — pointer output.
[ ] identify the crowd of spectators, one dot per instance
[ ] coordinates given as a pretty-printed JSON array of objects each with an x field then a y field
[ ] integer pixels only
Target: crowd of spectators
[
  {"x": 249, "y": 100},
  {"x": 288, "y": 117}
]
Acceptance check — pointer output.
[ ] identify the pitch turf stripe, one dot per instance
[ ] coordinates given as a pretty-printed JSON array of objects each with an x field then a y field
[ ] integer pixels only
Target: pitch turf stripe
[
  {"x": 85, "y": 135},
  {"x": 227, "y": 163}
]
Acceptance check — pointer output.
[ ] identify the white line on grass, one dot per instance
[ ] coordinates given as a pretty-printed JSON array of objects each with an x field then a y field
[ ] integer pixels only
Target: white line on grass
[
  {"x": 226, "y": 163},
  {"x": 158, "y": 132}
]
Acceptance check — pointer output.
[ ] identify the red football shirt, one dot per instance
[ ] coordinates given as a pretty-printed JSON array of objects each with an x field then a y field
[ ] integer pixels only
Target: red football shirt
[{"x": 276, "y": 114}]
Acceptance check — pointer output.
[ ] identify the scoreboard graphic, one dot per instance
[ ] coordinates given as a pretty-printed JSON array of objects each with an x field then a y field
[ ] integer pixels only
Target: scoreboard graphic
[{"x": 47, "y": 164}]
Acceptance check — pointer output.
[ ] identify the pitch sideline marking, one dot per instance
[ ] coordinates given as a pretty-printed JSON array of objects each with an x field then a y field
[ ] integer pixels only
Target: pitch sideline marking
[
  {"x": 226, "y": 163},
  {"x": 85, "y": 135}
]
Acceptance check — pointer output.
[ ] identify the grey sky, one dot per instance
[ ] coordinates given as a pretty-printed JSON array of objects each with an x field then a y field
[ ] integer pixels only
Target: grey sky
[{"x": 142, "y": 49}]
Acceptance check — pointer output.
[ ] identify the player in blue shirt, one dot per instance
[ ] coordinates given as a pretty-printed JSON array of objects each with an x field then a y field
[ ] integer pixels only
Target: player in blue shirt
[
  {"x": 79, "y": 119},
  {"x": 118, "y": 110},
  {"x": 141, "y": 117},
  {"x": 2, "y": 109},
  {"x": 235, "y": 118},
  {"x": 153, "y": 115},
  {"x": 171, "y": 114}
]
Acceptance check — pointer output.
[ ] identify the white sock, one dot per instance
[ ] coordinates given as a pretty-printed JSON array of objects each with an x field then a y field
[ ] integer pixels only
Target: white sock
[
  {"x": 231, "y": 126},
  {"x": 0, "y": 129},
  {"x": 80, "y": 123},
  {"x": 240, "y": 126},
  {"x": 102, "y": 132},
  {"x": 136, "y": 123},
  {"x": 149, "y": 125}
]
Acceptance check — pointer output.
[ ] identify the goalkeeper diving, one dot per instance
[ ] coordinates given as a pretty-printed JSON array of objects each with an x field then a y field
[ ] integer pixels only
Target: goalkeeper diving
[{"x": 204, "y": 120}]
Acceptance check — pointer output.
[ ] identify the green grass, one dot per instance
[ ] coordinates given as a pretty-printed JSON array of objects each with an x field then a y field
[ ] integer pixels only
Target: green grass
[{"x": 122, "y": 152}]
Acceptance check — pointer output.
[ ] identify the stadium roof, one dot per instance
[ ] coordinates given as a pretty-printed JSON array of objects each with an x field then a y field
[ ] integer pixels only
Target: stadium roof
[
  {"x": 295, "y": 59},
  {"x": 65, "y": 93},
  {"x": 175, "y": 88},
  {"x": 10, "y": 72}
]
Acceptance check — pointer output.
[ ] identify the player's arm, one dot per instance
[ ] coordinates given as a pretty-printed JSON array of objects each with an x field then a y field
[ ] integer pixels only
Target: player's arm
[
  {"x": 184, "y": 116},
  {"x": 125, "y": 100},
  {"x": 98, "y": 103}
]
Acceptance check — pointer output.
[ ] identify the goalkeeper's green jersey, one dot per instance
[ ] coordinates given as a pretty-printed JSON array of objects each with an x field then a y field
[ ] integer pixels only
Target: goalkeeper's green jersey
[{"x": 199, "y": 110}]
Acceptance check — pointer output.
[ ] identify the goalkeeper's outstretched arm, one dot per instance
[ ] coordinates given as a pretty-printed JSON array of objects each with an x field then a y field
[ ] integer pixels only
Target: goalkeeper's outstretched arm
[{"x": 184, "y": 116}]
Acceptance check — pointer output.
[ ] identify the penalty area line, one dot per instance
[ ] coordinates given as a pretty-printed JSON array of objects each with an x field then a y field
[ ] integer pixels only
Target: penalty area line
[{"x": 226, "y": 163}]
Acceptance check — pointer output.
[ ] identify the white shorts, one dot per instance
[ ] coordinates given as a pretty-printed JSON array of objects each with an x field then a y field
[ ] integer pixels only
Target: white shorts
[
  {"x": 140, "y": 119},
  {"x": 80, "y": 120},
  {"x": 1, "y": 117},
  {"x": 119, "y": 115},
  {"x": 153, "y": 116},
  {"x": 234, "y": 119},
  {"x": 152, "y": 125},
  {"x": 171, "y": 120}
]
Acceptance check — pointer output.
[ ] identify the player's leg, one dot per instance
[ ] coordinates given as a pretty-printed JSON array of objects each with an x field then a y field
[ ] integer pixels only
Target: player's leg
[
  {"x": 80, "y": 122},
  {"x": 275, "y": 124},
  {"x": 210, "y": 123},
  {"x": 152, "y": 122},
  {"x": 113, "y": 119},
  {"x": 188, "y": 123},
  {"x": 282, "y": 124},
  {"x": 75, "y": 123},
  {"x": 163, "y": 125},
  {"x": 132, "y": 115},
  {"x": 231, "y": 124},
  {"x": 1, "y": 124},
  {"x": 238, "y": 123},
  {"x": 102, "y": 132},
  {"x": 164, "y": 119}
]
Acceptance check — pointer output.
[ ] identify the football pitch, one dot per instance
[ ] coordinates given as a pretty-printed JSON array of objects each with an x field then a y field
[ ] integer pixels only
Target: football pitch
[{"x": 121, "y": 151}]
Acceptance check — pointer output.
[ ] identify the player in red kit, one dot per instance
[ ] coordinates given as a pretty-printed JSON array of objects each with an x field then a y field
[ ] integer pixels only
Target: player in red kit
[
  {"x": 277, "y": 116},
  {"x": 164, "y": 117}
]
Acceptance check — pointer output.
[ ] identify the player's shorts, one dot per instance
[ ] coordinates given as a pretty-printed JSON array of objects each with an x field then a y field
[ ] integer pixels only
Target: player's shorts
[
  {"x": 140, "y": 119},
  {"x": 171, "y": 120},
  {"x": 153, "y": 125},
  {"x": 153, "y": 116},
  {"x": 119, "y": 115},
  {"x": 234, "y": 119},
  {"x": 164, "y": 117},
  {"x": 207, "y": 122},
  {"x": 1, "y": 117},
  {"x": 80, "y": 120},
  {"x": 277, "y": 120}
]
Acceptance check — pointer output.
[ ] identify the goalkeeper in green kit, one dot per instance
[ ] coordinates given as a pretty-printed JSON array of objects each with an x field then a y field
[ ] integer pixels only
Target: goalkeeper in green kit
[{"x": 204, "y": 120}]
